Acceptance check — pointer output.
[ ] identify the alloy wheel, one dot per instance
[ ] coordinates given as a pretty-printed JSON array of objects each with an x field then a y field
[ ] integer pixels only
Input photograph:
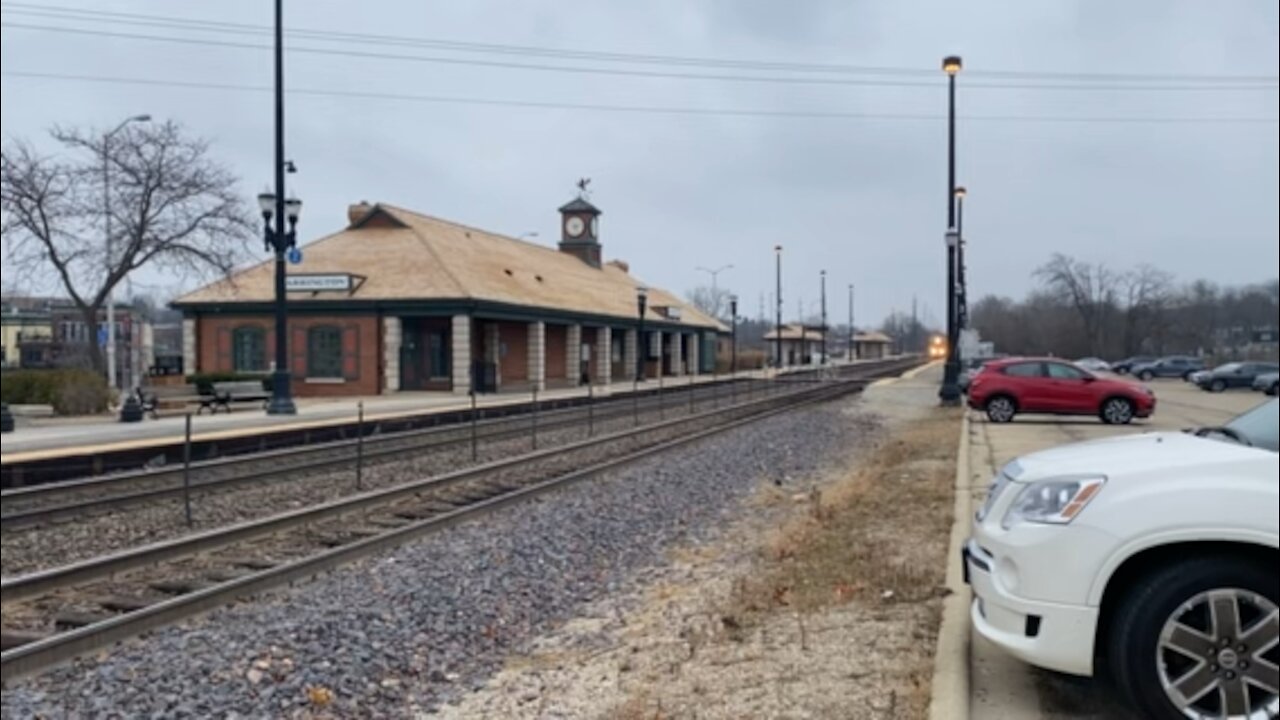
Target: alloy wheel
[
  {"x": 1117, "y": 411},
  {"x": 1217, "y": 656},
  {"x": 1001, "y": 410}
]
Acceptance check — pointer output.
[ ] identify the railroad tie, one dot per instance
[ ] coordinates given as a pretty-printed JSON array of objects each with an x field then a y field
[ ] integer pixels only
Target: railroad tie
[
  {"x": 253, "y": 563},
  {"x": 120, "y": 603},
  {"x": 71, "y": 620},
  {"x": 177, "y": 587}
]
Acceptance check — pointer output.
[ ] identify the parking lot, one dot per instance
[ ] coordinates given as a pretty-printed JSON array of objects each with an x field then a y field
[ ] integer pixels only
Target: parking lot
[{"x": 1003, "y": 688}]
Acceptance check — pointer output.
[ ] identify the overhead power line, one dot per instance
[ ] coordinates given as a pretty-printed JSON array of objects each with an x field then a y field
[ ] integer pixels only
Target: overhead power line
[
  {"x": 191, "y": 24},
  {"x": 639, "y": 109}
]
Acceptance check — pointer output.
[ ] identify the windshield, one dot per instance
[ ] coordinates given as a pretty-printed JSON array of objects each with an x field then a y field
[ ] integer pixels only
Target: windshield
[
  {"x": 1260, "y": 426},
  {"x": 1229, "y": 367}
]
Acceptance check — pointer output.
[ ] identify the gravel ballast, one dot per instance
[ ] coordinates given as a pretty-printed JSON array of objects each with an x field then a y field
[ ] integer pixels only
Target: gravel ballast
[{"x": 408, "y": 630}]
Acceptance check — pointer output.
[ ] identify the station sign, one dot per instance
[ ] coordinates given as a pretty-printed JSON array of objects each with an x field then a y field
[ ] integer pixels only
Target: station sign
[{"x": 328, "y": 282}]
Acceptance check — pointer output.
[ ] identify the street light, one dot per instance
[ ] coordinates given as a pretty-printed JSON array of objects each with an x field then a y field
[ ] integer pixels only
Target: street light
[
  {"x": 777, "y": 340},
  {"x": 106, "y": 213},
  {"x": 284, "y": 211},
  {"x": 962, "y": 289},
  {"x": 949, "y": 393},
  {"x": 850, "y": 350},
  {"x": 642, "y": 299},
  {"x": 715, "y": 273}
]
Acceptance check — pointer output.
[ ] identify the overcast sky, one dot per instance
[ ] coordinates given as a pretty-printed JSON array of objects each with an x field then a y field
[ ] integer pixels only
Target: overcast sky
[{"x": 862, "y": 197}]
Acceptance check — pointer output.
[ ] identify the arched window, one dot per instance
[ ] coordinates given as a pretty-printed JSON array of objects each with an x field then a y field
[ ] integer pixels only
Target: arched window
[
  {"x": 249, "y": 349},
  {"x": 324, "y": 352}
]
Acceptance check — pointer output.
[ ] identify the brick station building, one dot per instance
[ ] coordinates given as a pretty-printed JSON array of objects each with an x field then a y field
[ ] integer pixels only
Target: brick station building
[{"x": 400, "y": 301}]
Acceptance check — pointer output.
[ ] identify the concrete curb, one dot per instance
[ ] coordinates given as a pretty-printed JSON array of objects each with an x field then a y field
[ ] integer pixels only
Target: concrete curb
[{"x": 949, "y": 699}]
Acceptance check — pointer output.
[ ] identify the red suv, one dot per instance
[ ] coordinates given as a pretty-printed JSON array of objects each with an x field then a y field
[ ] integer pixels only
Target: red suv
[{"x": 1007, "y": 387}]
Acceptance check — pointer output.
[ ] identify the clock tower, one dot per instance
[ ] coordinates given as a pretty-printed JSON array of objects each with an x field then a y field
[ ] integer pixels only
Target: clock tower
[{"x": 580, "y": 229}]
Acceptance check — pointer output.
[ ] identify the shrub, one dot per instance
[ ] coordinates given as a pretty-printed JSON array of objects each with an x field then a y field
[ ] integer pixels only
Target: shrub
[{"x": 70, "y": 392}]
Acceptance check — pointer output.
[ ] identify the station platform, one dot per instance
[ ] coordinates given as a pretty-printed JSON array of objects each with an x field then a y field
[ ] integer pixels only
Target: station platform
[{"x": 37, "y": 439}]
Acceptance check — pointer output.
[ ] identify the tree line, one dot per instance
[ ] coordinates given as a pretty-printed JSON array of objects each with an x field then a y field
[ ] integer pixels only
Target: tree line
[{"x": 1089, "y": 309}]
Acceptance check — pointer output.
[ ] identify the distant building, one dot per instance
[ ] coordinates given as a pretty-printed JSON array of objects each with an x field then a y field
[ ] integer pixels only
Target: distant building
[
  {"x": 871, "y": 345},
  {"x": 400, "y": 301},
  {"x": 801, "y": 344},
  {"x": 51, "y": 333},
  {"x": 22, "y": 322}
]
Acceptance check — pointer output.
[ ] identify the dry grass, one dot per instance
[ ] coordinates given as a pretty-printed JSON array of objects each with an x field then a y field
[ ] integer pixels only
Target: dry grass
[{"x": 883, "y": 529}]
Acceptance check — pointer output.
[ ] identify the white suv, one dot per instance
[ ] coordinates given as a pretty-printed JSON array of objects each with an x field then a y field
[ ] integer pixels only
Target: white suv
[{"x": 1151, "y": 559}]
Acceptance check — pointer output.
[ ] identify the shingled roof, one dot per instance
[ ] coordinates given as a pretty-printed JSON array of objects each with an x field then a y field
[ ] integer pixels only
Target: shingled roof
[{"x": 407, "y": 256}]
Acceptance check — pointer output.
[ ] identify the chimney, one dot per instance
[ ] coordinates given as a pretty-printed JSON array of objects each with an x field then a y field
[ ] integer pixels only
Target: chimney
[
  {"x": 580, "y": 231},
  {"x": 356, "y": 213},
  {"x": 622, "y": 265}
]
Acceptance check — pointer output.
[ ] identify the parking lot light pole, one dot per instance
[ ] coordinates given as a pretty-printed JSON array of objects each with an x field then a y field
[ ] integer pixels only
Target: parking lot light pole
[
  {"x": 642, "y": 300},
  {"x": 823, "y": 275},
  {"x": 962, "y": 289},
  {"x": 850, "y": 349},
  {"x": 949, "y": 393}
]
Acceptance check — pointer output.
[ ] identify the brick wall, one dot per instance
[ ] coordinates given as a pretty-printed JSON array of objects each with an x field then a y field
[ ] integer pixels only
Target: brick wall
[
  {"x": 361, "y": 350},
  {"x": 514, "y": 338},
  {"x": 557, "y": 338}
]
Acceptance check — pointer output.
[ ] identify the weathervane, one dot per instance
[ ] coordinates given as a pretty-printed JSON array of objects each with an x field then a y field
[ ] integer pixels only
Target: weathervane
[{"x": 582, "y": 187}]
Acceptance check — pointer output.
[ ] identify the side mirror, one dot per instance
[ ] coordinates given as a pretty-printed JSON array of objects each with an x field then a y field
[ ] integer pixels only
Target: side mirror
[{"x": 1089, "y": 378}]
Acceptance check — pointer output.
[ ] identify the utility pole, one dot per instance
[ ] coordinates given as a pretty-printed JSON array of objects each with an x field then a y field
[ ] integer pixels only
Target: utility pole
[
  {"x": 777, "y": 341},
  {"x": 823, "y": 275},
  {"x": 110, "y": 246},
  {"x": 850, "y": 350}
]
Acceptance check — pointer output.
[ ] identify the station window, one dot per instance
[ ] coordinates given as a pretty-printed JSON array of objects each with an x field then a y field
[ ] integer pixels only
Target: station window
[
  {"x": 249, "y": 349},
  {"x": 324, "y": 352}
]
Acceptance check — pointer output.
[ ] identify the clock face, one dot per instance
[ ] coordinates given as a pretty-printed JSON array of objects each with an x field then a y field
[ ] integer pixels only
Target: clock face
[
  {"x": 595, "y": 227},
  {"x": 574, "y": 226}
]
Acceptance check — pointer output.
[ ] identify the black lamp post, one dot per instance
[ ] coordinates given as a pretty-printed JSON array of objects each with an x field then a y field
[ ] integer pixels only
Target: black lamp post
[
  {"x": 642, "y": 351},
  {"x": 950, "y": 391},
  {"x": 279, "y": 239},
  {"x": 962, "y": 288},
  {"x": 733, "y": 336},
  {"x": 777, "y": 340}
]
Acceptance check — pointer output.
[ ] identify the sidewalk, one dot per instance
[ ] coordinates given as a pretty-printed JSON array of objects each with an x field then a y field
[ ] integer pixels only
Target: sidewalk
[{"x": 41, "y": 438}]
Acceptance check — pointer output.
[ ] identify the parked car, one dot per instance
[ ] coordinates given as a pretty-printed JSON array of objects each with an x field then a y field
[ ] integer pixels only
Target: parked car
[
  {"x": 1123, "y": 367},
  {"x": 1268, "y": 383},
  {"x": 1174, "y": 366},
  {"x": 1233, "y": 375},
  {"x": 1093, "y": 364},
  {"x": 1194, "y": 378},
  {"x": 1148, "y": 558},
  {"x": 1008, "y": 387}
]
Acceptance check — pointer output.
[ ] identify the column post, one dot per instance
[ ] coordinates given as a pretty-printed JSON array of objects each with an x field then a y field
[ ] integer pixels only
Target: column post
[
  {"x": 695, "y": 353},
  {"x": 189, "y": 346},
  {"x": 631, "y": 351},
  {"x": 460, "y": 344},
  {"x": 677, "y": 354},
  {"x": 573, "y": 355},
  {"x": 604, "y": 350},
  {"x": 537, "y": 368},
  {"x": 392, "y": 337}
]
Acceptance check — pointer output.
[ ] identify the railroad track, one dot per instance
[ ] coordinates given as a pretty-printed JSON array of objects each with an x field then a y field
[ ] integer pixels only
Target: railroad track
[
  {"x": 57, "y": 614},
  {"x": 54, "y": 502}
]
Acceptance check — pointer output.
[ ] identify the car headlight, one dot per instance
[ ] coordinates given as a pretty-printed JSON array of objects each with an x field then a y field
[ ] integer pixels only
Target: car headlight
[{"x": 1055, "y": 501}]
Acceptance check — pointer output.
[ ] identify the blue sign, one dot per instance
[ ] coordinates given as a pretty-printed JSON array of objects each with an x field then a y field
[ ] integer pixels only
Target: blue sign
[
  {"x": 102, "y": 335},
  {"x": 295, "y": 255}
]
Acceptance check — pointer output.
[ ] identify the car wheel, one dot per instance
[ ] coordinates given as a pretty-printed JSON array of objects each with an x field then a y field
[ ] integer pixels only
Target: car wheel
[
  {"x": 1218, "y": 386},
  {"x": 1116, "y": 411},
  {"x": 1147, "y": 375},
  {"x": 1001, "y": 409},
  {"x": 1274, "y": 389},
  {"x": 1199, "y": 639}
]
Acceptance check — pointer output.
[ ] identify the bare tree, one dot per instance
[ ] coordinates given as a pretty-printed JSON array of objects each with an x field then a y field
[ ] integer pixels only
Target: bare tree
[
  {"x": 713, "y": 302},
  {"x": 171, "y": 206},
  {"x": 1147, "y": 293},
  {"x": 1089, "y": 288}
]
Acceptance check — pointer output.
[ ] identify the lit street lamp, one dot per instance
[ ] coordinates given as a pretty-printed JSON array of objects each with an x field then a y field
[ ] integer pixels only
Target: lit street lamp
[
  {"x": 106, "y": 219},
  {"x": 642, "y": 299},
  {"x": 950, "y": 391}
]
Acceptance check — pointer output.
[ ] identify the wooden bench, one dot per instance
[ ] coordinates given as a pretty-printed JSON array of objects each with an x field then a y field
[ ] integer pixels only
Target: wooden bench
[
  {"x": 226, "y": 393},
  {"x": 151, "y": 398}
]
